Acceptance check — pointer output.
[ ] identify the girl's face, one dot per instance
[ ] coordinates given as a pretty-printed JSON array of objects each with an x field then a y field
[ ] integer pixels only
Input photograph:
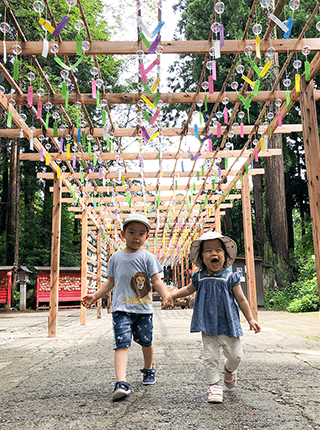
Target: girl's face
[{"x": 213, "y": 255}]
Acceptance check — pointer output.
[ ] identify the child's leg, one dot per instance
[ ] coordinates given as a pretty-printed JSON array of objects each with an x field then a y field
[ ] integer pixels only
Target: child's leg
[
  {"x": 211, "y": 358},
  {"x": 120, "y": 363},
  {"x": 233, "y": 352},
  {"x": 148, "y": 356}
]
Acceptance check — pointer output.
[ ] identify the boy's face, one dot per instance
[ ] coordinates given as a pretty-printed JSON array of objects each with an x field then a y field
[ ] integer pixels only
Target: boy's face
[
  {"x": 213, "y": 255},
  {"x": 135, "y": 234}
]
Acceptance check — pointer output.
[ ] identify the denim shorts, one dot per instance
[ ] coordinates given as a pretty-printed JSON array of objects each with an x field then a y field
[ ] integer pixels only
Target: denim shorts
[{"x": 126, "y": 325}]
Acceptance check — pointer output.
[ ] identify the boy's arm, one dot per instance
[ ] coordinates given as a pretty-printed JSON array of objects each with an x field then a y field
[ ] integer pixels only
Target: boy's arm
[
  {"x": 245, "y": 308},
  {"x": 158, "y": 285},
  {"x": 105, "y": 288}
]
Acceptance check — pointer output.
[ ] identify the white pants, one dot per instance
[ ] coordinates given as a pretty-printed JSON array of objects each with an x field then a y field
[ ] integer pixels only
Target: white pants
[{"x": 232, "y": 350}]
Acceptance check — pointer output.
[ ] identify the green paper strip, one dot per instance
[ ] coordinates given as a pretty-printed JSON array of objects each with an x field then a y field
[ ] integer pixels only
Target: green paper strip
[
  {"x": 79, "y": 44},
  {"x": 235, "y": 185},
  {"x": 240, "y": 177},
  {"x": 187, "y": 205},
  {"x": 202, "y": 170},
  {"x": 70, "y": 189},
  {"x": 228, "y": 192},
  {"x": 240, "y": 96},
  {"x": 248, "y": 101},
  {"x": 94, "y": 159},
  {"x": 247, "y": 169},
  {"x": 104, "y": 117},
  {"x": 270, "y": 134},
  {"x": 157, "y": 98},
  {"x": 99, "y": 205},
  {"x": 9, "y": 120},
  {"x": 176, "y": 185},
  {"x": 307, "y": 70},
  {"x": 67, "y": 100},
  {"x": 108, "y": 141},
  {"x": 147, "y": 117},
  {"x": 200, "y": 117},
  {"x": 200, "y": 207},
  {"x": 64, "y": 66},
  {"x": 254, "y": 66},
  {"x": 256, "y": 87},
  {"x": 74, "y": 195},
  {"x": 98, "y": 98},
  {"x": 215, "y": 177},
  {"x": 205, "y": 103},
  {"x": 89, "y": 149},
  {"x": 206, "y": 200},
  {"x": 190, "y": 198},
  {"x": 223, "y": 198},
  {"x": 287, "y": 100},
  {"x": 83, "y": 164},
  {"x": 16, "y": 65},
  {"x": 82, "y": 176},
  {"x": 55, "y": 129},
  {"x": 194, "y": 186},
  {"x": 213, "y": 185},
  {"x": 145, "y": 41},
  {"x": 226, "y": 163},
  {"x": 47, "y": 121},
  {"x": 198, "y": 176},
  {"x": 64, "y": 89},
  {"x": 147, "y": 89},
  {"x": 83, "y": 137}
]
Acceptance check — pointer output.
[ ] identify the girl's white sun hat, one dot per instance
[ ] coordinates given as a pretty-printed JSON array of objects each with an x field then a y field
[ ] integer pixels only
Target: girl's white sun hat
[{"x": 230, "y": 245}]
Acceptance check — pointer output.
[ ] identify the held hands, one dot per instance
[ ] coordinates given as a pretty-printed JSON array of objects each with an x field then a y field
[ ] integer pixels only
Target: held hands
[
  {"x": 168, "y": 301},
  {"x": 87, "y": 300},
  {"x": 254, "y": 325}
]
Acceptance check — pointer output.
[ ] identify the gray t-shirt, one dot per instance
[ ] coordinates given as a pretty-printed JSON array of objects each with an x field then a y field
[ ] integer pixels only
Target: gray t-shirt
[{"x": 131, "y": 273}]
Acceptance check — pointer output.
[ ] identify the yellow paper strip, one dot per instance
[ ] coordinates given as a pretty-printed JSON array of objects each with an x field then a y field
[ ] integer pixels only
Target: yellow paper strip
[
  {"x": 297, "y": 83},
  {"x": 265, "y": 69},
  {"x": 47, "y": 159},
  {"x": 262, "y": 144},
  {"x": 122, "y": 178},
  {"x": 154, "y": 135},
  {"x": 68, "y": 150},
  {"x": 209, "y": 211},
  {"x": 154, "y": 86},
  {"x": 146, "y": 100},
  {"x": 46, "y": 25},
  {"x": 258, "y": 47},
  {"x": 249, "y": 81},
  {"x": 58, "y": 172}
]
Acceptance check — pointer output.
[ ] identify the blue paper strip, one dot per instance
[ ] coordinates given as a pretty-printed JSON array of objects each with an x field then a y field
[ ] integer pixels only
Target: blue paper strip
[
  {"x": 195, "y": 128},
  {"x": 289, "y": 24},
  {"x": 79, "y": 134},
  {"x": 158, "y": 28}
]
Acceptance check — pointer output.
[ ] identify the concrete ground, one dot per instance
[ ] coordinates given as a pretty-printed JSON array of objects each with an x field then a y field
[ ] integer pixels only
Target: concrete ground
[{"x": 67, "y": 382}]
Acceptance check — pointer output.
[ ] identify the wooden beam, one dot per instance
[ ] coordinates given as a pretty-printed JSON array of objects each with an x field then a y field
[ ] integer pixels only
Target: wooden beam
[
  {"x": 84, "y": 260},
  {"x": 55, "y": 258},
  {"x": 312, "y": 154},
  {"x": 167, "y": 98},
  {"x": 153, "y": 155},
  {"x": 248, "y": 244},
  {"x": 169, "y": 47}
]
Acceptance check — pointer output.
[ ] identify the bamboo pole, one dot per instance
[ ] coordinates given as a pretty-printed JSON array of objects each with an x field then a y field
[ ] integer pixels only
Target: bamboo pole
[
  {"x": 248, "y": 244},
  {"x": 312, "y": 154},
  {"x": 99, "y": 271},
  {"x": 84, "y": 232},
  {"x": 55, "y": 258}
]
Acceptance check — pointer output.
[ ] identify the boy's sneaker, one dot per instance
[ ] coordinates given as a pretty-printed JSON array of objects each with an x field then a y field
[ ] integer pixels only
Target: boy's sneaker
[
  {"x": 230, "y": 378},
  {"x": 149, "y": 377},
  {"x": 121, "y": 389},
  {"x": 215, "y": 394}
]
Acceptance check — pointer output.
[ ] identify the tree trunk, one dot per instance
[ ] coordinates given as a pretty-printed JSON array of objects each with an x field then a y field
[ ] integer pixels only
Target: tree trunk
[
  {"x": 258, "y": 211},
  {"x": 289, "y": 214},
  {"x": 227, "y": 220}
]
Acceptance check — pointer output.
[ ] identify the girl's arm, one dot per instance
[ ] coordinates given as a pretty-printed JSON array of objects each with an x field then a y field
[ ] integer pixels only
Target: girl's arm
[
  {"x": 89, "y": 299},
  {"x": 177, "y": 294},
  {"x": 245, "y": 307}
]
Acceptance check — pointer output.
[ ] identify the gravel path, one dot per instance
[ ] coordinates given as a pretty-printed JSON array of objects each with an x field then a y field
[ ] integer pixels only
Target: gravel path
[{"x": 67, "y": 382}]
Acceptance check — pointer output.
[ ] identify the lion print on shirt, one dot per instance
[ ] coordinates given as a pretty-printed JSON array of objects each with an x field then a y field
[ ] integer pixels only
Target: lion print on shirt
[{"x": 142, "y": 288}]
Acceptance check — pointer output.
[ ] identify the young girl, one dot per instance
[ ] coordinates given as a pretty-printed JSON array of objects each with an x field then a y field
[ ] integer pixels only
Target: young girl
[{"x": 216, "y": 308}]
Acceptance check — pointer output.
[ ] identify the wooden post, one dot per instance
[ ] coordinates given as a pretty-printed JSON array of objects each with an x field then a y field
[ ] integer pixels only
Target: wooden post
[
  {"x": 99, "y": 271},
  {"x": 55, "y": 258},
  {"x": 84, "y": 232},
  {"x": 248, "y": 245},
  {"x": 182, "y": 271},
  {"x": 312, "y": 154},
  {"x": 217, "y": 219}
]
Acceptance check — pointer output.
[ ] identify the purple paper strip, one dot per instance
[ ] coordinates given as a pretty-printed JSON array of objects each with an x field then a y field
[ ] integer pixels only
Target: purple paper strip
[
  {"x": 140, "y": 161},
  {"x": 145, "y": 133},
  {"x": 61, "y": 144},
  {"x": 41, "y": 154},
  {"x": 219, "y": 174},
  {"x": 100, "y": 173},
  {"x": 189, "y": 152},
  {"x": 196, "y": 156},
  {"x": 74, "y": 162},
  {"x": 154, "y": 45},
  {"x": 60, "y": 26},
  {"x": 221, "y": 36},
  {"x": 207, "y": 137},
  {"x": 89, "y": 167}
]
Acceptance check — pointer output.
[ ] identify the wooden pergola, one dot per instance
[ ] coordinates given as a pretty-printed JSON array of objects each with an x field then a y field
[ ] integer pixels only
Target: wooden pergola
[{"x": 180, "y": 202}]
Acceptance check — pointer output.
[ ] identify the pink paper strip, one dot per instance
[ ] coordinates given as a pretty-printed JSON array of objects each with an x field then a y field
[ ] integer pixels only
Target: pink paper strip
[
  {"x": 214, "y": 70},
  {"x": 30, "y": 96},
  {"x": 241, "y": 130},
  {"x": 279, "y": 119},
  {"x": 225, "y": 115},
  {"x": 218, "y": 129},
  {"x": 41, "y": 154},
  {"x": 210, "y": 145},
  {"x": 256, "y": 155},
  {"x": 155, "y": 116},
  {"x": 94, "y": 89},
  {"x": 180, "y": 224},
  {"x": 210, "y": 84},
  {"x": 142, "y": 72},
  {"x": 221, "y": 36},
  {"x": 154, "y": 63},
  {"x": 39, "y": 111}
]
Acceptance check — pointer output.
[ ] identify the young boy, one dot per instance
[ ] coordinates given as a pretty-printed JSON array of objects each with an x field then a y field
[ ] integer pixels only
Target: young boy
[{"x": 129, "y": 274}]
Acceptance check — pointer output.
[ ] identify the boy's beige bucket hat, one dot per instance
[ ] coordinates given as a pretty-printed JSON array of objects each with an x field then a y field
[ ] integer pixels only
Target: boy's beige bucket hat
[{"x": 230, "y": 245}]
